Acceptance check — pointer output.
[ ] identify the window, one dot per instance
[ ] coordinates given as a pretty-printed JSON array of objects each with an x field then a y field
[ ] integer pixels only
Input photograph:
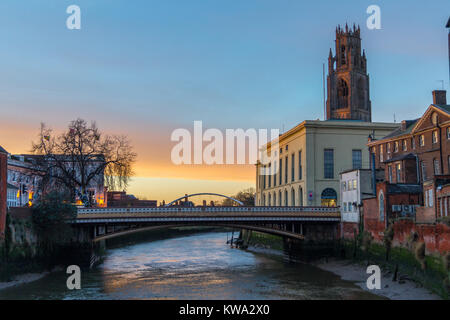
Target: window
[
  {"x": 264, "y": 199},
  {"x": 300, "y": 171},
  {"x": 292, "y": 167},
  {"x": 281, "y": 172},
  {"x": 293, "y": 197},
  {"x": 399, "y": 172},
  {"x": 388, "y": 148},
  {"x": 274, "y": 199},
  {"x": 300, "y": 196},
  {"x": 404, "y": 145},
  {"x": 270, "y": 199},
  {"x": 286, "y": 171},
  {"x": 344, "y": 185},
  {"x": 342, "y": 94},
  {"x": 390, "y": 174},
  {"x": 430, "y": 198},
  {"x": 285, "y": 198},
  {"x": 435, "y": 137},
  {"x": 421, "y": 140},
  {"x": 328, "y": 169},
  {"x": 437, "y": 169},
  {"x": 270, "y": 175},
  {"x": 345, "y": 206},
  {"x": 329, "y": 197},
  {"x": 448, "y": 132},
  {"x": 264, "y": 178},
  {"x": 274, "y": 173},
  {"x": 424, "y": 170},
  {"x": 355, "y": 184},
  {"x": 279, "y": 198},
  {"x": 413, "y": 143},
  {"x": 381, "y": 205},
  {"x": 448, "y": 161},
  {"x": 396, "y": 146},
  {"x": 357, "y": 159},
  {"x": 381, "y": 153},
  {"x": 287, "y": 147}
]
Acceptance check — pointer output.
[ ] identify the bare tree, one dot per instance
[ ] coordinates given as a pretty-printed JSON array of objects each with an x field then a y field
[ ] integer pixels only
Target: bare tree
[{"x": 83, "y": 156}]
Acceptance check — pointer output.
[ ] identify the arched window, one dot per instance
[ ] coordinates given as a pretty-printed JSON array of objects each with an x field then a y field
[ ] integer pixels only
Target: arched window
[
  {"x": 274, "y": 199},
  {"x": 270, "y": 199},
  {"x": 381, "y": 205},
  {"x": 279, "y": 198},
  {"x": 285, "y": 198},
  {"x": 329, "y": 198},
  {"x": 300, "y": 196},
  {"x": 293, "y": 197},
  {"x": 342, "y": 93}
]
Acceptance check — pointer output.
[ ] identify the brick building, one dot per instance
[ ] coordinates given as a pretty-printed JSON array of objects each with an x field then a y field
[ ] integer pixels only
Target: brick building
[
  {"x": 416, "y": 163},
  {"x": 122, "y": 199},
  {"x": 3, "y": 190}
]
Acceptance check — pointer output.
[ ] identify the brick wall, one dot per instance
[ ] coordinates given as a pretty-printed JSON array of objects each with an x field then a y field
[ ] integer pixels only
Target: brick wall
[
  {"x": 435, "y": 236},
  {"x": 348, "y": 230},
  {"x": 372, "y": 221}
]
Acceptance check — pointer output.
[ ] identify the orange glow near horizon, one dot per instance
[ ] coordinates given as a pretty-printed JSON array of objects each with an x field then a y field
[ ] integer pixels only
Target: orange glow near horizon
[{"x": 156, "y": 177}]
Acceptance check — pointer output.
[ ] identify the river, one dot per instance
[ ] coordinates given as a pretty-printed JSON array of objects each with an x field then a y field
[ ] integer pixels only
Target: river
[{"x": 193, "y": 266}]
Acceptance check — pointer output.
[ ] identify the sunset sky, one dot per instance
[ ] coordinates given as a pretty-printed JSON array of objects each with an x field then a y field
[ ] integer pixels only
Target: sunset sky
[{"x": 145, "y": 68}]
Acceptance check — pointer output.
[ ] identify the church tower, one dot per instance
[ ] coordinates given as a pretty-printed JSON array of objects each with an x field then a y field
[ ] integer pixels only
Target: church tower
[{"x": 348, "y": 81}]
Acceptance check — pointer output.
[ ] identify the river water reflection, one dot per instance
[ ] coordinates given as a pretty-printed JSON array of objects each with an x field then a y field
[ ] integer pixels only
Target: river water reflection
[{"x": 196, "y": 266}]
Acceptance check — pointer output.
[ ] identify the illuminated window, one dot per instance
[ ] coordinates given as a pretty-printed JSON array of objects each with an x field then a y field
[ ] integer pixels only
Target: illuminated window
[
  {"x": 329, "y": 197},
  {"x": 421, "y": 140},
  {"x": 404, "y": 145},
  {"x": 435, "y": 136},
  {"x": 396, "y": 146}
]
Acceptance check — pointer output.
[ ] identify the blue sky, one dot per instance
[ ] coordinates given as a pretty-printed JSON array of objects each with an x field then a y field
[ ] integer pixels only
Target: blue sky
[{"x": 146, "y": 67}]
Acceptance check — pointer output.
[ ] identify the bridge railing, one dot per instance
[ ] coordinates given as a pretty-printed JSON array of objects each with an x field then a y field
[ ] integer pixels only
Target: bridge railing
[{"x": 208, "y": 209}]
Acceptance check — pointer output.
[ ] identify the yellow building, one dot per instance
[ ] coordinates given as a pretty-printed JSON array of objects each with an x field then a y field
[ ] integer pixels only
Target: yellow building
[{"x": 310, "y": 158}]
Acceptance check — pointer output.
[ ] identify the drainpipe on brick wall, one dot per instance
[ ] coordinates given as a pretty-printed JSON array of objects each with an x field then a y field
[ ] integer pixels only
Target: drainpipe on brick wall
[
  {"x": 440, "y": 149},
  {"x": 417, "y": 169}
]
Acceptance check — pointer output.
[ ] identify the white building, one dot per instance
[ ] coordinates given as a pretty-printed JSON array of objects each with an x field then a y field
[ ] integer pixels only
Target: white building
[
  {"x": 12, "y": 196},
  {"x": 355, "y": 185}
]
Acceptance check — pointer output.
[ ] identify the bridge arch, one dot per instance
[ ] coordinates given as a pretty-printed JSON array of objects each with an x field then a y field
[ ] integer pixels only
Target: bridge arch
[
  {"x": 262, "y": 229},
  {"x": 205, "y": 194}
]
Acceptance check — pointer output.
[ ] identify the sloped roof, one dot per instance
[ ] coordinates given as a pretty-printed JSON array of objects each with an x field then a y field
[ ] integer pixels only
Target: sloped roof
[
  {"x": 401, "y": 157},
  {"x": 3, "y": 150},
  {"x": 399, "y": 132}
]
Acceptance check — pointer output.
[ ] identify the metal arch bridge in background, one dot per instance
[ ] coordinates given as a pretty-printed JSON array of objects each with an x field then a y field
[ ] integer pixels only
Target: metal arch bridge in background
[{"x": 204, "y": 194}]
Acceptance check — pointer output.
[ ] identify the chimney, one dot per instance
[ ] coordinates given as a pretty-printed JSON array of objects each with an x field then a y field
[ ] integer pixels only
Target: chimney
[
  {"x": 404, "y": 124},
  {"x": 440, "y": 97}
]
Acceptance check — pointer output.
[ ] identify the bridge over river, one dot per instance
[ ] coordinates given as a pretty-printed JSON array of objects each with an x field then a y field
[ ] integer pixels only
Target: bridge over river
[{"x": 311, "y": 223}]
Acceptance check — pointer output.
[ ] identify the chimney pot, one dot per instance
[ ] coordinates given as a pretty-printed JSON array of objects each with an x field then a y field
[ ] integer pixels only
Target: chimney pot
[
  {"x": 440, "y": 97},
  {"x": 403, "y": 125}
]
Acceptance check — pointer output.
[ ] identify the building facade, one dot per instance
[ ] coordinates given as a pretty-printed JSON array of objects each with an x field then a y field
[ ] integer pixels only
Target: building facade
[
  {"x": 24, "y": 176},
  {"x": 416, "y": 162},
  {"x": 309, "y": 160}
]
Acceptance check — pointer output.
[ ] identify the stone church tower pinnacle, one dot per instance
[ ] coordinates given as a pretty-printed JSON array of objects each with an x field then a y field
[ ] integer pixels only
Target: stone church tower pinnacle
[{"x": 348, "y": 82}]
